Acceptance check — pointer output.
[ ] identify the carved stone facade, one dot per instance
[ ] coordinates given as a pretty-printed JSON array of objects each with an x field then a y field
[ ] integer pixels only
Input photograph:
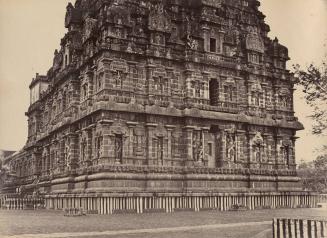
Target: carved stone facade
[{"x": 162, "y": 96}]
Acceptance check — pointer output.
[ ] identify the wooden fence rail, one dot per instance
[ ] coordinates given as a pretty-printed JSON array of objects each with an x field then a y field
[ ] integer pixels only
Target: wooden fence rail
[{"x": 299, "y": 228}]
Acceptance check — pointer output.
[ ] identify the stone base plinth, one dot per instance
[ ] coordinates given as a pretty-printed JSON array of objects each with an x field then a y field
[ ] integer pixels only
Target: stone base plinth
[{"x": 111, "y": 203}]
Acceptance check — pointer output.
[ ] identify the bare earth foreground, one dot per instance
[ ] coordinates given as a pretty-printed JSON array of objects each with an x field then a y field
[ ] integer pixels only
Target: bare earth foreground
[{"x": 42, "y": 223}]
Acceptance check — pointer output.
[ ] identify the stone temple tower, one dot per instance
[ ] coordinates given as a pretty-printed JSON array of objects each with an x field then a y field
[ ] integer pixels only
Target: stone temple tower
[{"x": 163, "y": 104}]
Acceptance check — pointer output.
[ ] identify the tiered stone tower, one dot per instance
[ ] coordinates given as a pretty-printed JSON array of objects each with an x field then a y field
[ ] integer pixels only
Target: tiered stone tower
[{"x": 154, "y": 104}]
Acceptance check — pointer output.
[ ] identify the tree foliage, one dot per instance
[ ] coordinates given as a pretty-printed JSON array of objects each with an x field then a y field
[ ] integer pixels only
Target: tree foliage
[
  {"x": 314, "y": 174},
  {"x": 314, "y": 84}
]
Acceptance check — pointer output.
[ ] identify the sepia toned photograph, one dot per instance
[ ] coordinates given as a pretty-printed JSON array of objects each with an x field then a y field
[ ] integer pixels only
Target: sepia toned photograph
[{"x": 163, "y": 118}]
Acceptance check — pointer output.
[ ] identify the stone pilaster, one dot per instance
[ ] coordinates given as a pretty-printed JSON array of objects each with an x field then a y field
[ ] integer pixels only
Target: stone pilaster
[
  {"x": 150, "y": 135},
  {"x": 63, "y": 153},
  {"x": 189, "y": 76},
  {"x": 270, "y": 149},
  {"x": 73, "y": 151},
  {"x": 36, "y": 156},
  {"x": 169, "y": 156},
  {"x": 104, "y": 67},
  {"x": 206, "y": 79},
  {"x": 241, "y": 155},
  {"x": 224, "y": 160},
  {"x": 89, "y": 80},
  {"x": 205, "y": 131},
  {"x": 89, "y": 145},
  {"x": 249, "y": 96},
  {"x": 278, "y": 156},
  {"x": 222, "y": 148},
  {"x": 264, "y": 152},
  {"x": 130, "y": 146},
  {"x": 292, "y": 154},
  {"x": 252, "y": 160},
  {"x": 149, "y": 76},
  {"x": 189, "y": 144},
  {"x": 74, "y": 91},
  {"x": 275, "y": 97},
  {"x": 48, "y": 159},
  {"x": 106, "y": 142},
  {"x": 206, "y": 37}
]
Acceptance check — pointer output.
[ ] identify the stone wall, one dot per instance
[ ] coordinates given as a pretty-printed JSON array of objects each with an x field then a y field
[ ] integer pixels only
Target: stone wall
[{"x": 110, "y": 138}]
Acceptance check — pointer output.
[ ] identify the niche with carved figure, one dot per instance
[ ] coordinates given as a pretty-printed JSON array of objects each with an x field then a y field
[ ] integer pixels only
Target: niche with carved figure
[
  {"x": 161, "y": 85},
  {"x": 285, "y": 99},
  {"x": 197, "y": 146},
  {"x": 98, "y": 147},
  {"x": 119, "y": 79},
  {"x": 158, "y": 150},
  {"x": 257, "y": 147},
  {"x": 139, "y": 142},
  {"x": 230, "y": 147},
  {"x": 118, "y": 148},
  {"x": 197, "y": 89},
  {"x": 256, "y": 94}
]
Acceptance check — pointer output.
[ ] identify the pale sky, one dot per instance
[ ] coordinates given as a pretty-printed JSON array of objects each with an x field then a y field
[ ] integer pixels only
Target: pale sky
[{"x": 31, "y": 30}]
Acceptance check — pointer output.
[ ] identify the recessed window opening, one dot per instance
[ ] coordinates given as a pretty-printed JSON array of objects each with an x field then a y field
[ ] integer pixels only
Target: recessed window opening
[{"x": 213, "y": 45}]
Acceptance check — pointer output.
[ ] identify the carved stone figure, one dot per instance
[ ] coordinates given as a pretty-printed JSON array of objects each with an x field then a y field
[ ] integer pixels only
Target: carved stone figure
[
  {"x": 119, "y": 148},
  {"x": 231, "y": 147},
  {"x": 197, "y": 147}
]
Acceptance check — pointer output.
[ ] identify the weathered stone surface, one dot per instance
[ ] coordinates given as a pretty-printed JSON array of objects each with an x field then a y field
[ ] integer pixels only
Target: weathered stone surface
[{"x": 162, "y": 96}]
